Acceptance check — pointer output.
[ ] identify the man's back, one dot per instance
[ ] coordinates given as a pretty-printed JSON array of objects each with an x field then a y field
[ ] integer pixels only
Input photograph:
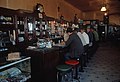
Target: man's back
[{"x": 74, "y": 45}]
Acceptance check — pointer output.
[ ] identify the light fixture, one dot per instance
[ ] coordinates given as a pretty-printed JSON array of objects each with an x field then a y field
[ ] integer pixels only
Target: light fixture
[
  {"x": 104, "y": 5},
  {"x": 103, "y": 8},
  {"x": 105, "y": 14}
]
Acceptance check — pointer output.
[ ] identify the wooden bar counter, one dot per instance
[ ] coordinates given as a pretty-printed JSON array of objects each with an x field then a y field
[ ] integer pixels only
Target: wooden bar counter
[{"x": 44, "y": 62}]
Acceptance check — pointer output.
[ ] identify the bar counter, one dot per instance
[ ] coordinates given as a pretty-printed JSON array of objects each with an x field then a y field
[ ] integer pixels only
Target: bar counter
[
  {"x": 43, "y": 50},
  {"x": 44, "y": 62}
]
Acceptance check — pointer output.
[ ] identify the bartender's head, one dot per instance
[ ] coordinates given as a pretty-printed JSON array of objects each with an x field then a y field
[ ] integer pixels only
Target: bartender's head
[{"x": 69, "y": 30}]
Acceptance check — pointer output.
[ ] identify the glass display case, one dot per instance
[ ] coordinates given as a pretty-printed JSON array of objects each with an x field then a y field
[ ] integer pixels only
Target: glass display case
[{"x": 16, "y": 71}]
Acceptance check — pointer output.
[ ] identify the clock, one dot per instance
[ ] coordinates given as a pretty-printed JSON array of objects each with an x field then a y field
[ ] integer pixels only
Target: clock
[{"x": 40, "y": 8}]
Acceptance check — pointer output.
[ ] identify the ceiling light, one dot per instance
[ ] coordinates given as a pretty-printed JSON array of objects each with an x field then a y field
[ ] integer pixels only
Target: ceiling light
[{"x": 103, "y": 8}]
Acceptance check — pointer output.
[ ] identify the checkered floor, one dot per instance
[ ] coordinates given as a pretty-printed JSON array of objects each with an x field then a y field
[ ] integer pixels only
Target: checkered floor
[{"x": 103, "y": 67}]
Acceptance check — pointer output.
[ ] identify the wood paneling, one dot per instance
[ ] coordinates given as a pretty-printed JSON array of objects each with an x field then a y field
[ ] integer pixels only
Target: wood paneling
[
  {"x": 3, "y": 3},
  {"x": 68, "y": 11},
  {"x": 114, "y": 19}
]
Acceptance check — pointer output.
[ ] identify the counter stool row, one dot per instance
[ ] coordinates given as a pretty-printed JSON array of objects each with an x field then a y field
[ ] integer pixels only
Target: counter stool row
[
  {"x": 71, "y": 65},
  {"x": 67, "y": 70}
]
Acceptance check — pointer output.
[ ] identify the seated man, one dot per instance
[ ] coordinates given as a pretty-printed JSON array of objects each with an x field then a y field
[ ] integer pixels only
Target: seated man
[
  {"x": 86, "y": 38},
  {"x": 74, "y": 45}
]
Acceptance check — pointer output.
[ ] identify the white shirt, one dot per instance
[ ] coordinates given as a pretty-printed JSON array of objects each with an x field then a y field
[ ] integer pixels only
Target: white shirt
[
  {"x": 86, "y": 37},
  {"x": 82, "y": 38},
  {"x": 66, "y": 36}
]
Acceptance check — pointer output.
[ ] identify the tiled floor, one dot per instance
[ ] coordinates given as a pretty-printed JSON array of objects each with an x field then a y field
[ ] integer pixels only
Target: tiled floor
[{"x": 104, "y": 65}]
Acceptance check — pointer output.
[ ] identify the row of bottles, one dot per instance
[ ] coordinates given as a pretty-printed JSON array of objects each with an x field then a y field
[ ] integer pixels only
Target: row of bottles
[{"x": 6, "y": 19}]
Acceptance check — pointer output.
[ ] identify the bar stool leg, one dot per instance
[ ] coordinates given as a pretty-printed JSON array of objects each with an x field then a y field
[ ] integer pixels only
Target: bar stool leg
[
  {"x": 81, "y": 66},
  {"x": 57, "y": 76},
  {"x": 76, "y": 73}
]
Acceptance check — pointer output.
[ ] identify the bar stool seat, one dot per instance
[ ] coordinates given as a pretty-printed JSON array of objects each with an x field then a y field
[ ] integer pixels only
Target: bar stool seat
[
  {"x": 62, "y": 71},
  {"x": 63, "y": 68},
  {"x": 74, "y": 64}
]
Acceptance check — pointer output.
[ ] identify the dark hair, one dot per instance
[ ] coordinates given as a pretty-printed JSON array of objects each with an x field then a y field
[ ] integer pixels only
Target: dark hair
[
  {"x": 69, "y": 30},
  {"x": 76, "y": 29}
]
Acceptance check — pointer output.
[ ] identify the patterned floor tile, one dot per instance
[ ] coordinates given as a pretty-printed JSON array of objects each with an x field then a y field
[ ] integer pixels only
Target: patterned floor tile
[{"x": 103, "y": 67}]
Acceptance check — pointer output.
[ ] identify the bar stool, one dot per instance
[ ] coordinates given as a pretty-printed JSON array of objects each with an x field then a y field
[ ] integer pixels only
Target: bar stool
[
  {"x": 62, "y": 71},
  {"x": 74, "y": 63}
]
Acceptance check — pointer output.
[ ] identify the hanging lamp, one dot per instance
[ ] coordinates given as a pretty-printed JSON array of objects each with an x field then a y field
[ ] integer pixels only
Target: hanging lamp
[{"x": 103, "y": 8}]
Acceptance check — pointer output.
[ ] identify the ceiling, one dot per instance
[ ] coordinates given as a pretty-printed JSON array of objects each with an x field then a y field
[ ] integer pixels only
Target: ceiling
[{"x": 113, "y": 6}]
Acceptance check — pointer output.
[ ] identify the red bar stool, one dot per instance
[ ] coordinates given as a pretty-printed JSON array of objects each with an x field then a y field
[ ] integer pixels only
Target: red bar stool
[{"x": 74, "y": 63}]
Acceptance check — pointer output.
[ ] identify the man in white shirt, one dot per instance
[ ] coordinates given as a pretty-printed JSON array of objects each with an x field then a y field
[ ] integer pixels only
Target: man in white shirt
[
  {"x": 81, "y": 37},
  {"x": 85, "y": 36},
  {"x": 85, "y": 40},
  {"x": 66, "y": 36}
]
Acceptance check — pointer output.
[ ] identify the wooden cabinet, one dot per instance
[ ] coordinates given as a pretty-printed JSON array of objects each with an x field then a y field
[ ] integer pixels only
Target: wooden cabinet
[
  {"x": 7, "y": 27},
  {"x": 20, "y": 29},
  {"x": 24, "y": 27}
]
